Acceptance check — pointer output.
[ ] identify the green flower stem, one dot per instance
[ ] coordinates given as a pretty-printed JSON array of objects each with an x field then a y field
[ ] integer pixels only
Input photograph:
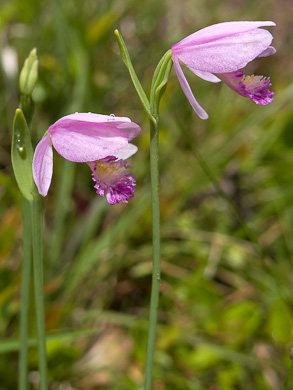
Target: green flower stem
[
  {"x": 37, "y": 241},
  {"x": 156, "y": 275},
  {"x": 24, "y": 295},
  {"x": 61, "y": 209},
  {"x": 151, "y": 107},
  {"x": 158, "y": 87}
]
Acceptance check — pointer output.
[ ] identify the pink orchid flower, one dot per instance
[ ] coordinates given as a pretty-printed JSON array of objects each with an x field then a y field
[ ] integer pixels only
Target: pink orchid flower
[
  {"x": 101, "y": 141},
  {"x": 217, "y": 53}
]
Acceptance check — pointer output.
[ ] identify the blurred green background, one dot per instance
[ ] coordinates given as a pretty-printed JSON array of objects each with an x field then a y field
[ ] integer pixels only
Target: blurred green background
[{"x": 225, "y": 317}]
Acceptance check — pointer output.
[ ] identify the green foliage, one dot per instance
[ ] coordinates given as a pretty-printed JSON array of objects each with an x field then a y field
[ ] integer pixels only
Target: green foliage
[
  {"x": 22, "y": 155},
  {"x": 127, "y": 61},
  {"x": 225, "y": 317},
  {"x": 159, "y": 81}
]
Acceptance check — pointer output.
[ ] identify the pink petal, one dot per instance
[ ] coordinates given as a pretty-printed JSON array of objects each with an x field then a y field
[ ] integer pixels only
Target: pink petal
[
  {"x": 220, "y": 30},
  {"x": 91, "y": 117},
  {"x": 268, "y": 52},
  {"x": 187, "y": 90},
  {"x": 91, "y": 137},
  {"x": 126, "y": 152},
  {"x": 130, "y": 128},
  {"x": 205, "y": 75},
  {"x": 226, "y": 54},
  {"x": 43, "y": 165}
]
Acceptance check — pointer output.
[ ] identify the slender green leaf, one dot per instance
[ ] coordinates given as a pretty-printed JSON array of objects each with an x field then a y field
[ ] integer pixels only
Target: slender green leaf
[
  {"x": 13, "y": 345},
  {"x": 127, "y": 61},
  {"x": 22, "y": 155}
]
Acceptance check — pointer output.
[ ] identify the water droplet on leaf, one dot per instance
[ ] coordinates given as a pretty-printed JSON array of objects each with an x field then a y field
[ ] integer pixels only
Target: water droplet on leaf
[{"x": 21, "y": 150}]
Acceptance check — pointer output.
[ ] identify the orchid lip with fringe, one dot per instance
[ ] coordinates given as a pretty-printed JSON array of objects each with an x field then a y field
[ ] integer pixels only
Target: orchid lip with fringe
[
  {"x": 256, "y": 88},
  {"x": 102, "y": 141},
  {"x": 110, "y": 178},
  {"x": 218, "y": 52}
]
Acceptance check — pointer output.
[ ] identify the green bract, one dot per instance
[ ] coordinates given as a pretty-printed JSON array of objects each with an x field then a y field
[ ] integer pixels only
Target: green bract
[
  {"x": 22, "y": 155},
  {"x": 159, "y": 81}
]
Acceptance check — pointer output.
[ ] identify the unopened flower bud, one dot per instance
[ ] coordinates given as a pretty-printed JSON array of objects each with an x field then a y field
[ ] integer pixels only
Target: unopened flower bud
[{"x": 29, "y": 73}]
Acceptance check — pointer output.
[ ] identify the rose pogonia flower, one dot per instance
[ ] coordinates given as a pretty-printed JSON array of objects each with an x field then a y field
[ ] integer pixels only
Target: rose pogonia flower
[
  {"x": 217, "y": 53},
  {"x": 101, "y": 141}
]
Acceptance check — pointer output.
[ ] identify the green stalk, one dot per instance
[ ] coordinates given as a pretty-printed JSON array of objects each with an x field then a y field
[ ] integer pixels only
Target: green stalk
[
  {"x": 37, "y": 241},
  {"x": 156, "y": 274},
  {"x": 61, "y": 209},
  {"x": 159, "y": 83},
  {"x": 24, "y": 295}
]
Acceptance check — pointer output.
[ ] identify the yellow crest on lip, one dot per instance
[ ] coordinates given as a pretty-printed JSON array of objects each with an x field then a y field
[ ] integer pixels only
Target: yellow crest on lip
[{"x": 252, "y": 79}]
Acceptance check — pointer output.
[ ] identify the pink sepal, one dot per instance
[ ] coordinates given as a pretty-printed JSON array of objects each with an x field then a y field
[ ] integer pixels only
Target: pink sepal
[{"x": 43, "y": 165}]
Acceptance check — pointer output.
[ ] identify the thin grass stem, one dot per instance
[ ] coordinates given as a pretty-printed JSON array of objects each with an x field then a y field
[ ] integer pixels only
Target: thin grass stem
[
  {"x": 156, "y": 274},
  {"x": 37, "y": 241},
  {"x": 24, "y": 295}
]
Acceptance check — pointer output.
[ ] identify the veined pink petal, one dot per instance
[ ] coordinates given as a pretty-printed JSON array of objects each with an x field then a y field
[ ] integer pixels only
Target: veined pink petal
[
  {"x": 86, "y": 143},
  {"x": 226, "y": 54},
  {"x": 79, "y": 119},
  {"x": 43, "y": 165},
  {"x": 219, "y": 30},
  {"x": 91, "y": 137},
  {"x": 187, "y": 90}
]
